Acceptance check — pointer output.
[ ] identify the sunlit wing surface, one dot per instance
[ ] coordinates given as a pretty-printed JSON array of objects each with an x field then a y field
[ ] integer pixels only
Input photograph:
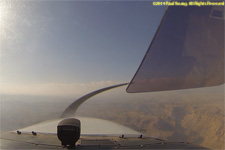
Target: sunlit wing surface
[
  {"x": 89, "y": 126},
  {"x": 186, "y": 52},
  {"x": 95, "y": 134}
]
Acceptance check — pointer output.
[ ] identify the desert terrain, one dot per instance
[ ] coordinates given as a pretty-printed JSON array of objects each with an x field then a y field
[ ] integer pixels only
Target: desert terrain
[{"x": 194, "y": 116}]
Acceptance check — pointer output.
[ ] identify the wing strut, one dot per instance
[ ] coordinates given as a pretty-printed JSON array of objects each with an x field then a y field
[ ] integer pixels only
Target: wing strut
[{"x": 72, "y": 108}]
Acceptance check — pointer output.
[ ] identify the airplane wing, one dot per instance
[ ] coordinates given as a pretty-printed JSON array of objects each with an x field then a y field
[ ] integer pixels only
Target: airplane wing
[
  {"x": 187, "y": 51},
  {"x": 95, "y": 134}
]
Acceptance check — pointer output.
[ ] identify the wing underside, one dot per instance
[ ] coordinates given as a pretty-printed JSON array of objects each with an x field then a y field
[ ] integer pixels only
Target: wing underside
[{"x": 186, "y": 52}]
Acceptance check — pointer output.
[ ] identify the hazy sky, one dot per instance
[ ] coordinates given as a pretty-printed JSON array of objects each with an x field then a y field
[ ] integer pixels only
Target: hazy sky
[{"x": 56, "y": 47}]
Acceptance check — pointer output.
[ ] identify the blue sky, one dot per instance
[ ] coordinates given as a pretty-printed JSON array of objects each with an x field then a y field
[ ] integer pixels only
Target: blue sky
[{"x": 72, "y": 45}]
